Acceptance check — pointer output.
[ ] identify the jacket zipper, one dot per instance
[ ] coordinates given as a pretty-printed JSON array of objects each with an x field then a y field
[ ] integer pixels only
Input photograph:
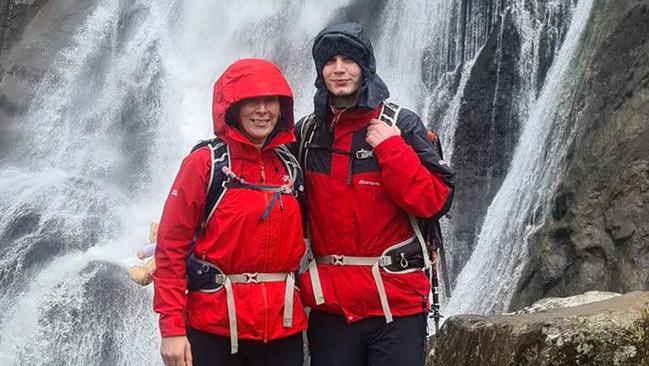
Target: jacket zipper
[
  {"x": 350, "y": 157},
  {"x": 262, "y": 173}
]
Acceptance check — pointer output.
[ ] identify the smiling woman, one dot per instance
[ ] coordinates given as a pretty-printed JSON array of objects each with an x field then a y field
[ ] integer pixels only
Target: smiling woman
[
  {"x": 248, "y": 248},
  {"x": 257, "y": 117}
]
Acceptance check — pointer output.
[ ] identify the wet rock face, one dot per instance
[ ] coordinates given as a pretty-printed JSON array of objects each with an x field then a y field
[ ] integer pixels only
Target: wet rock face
[
  {"x": 485, "y": 136},
  {"x": 501, "y": 85},
  {"x": 14, "y": 16},
  {"x": 597, "y": 236},
  {"x": 609, "y": 332}
]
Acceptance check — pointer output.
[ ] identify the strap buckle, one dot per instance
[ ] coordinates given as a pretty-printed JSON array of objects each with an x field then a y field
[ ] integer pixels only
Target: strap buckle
[
  {"x": 385, "y": 261},
  {"x": 363, "y": 154},
  {"x": 251, "y": 277},
  {"x": 337, "y": 259}
]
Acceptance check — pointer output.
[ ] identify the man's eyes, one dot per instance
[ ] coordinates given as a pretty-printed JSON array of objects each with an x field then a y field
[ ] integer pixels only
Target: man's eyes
[{"x": 344, "y": 59}]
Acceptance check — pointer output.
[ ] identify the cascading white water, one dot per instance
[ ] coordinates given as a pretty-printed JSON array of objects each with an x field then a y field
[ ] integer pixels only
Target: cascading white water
[
  {"x": 68, "y": 183},
  {"x": 407, "y": 28},
  {"x": 488, "y": 281}
]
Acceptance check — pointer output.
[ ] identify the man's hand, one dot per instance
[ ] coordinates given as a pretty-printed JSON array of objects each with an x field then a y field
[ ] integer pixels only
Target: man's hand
[
  {"x": 176, "y": 351},
  {"x": 379, "y": 131}
]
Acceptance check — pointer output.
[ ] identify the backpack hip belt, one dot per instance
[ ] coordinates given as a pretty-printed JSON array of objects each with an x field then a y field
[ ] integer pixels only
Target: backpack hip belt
[
  {"x": 402, "y": 257},
  {"x": 221, "y": 280}
]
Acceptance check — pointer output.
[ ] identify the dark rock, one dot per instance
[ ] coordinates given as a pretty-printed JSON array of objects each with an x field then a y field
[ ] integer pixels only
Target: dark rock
[
  {"x": 601, "y": 205},
  {"x": 608, "y": 332},
  {"x": 14, "y": 16},
  {"x": 485, "y": 135},
  {"x": 31, "y": 32},
  {"x": 619, "y": 222},
  {"x": 561, "y": 204},
  {"x": 490, "y": 111}
]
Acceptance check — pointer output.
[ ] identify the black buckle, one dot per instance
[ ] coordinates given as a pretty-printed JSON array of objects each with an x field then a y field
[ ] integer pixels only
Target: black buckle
[{"x": 363, "y": 154}]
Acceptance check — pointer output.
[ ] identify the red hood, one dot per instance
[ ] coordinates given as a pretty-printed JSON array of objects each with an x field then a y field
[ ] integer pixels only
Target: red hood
[{"x": 247, "y": 78}]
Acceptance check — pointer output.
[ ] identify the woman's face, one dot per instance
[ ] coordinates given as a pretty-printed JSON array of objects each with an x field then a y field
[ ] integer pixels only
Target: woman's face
[{"x": 258, "y": 117}]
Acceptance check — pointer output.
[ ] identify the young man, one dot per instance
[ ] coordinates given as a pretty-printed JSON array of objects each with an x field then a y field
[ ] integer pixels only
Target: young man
[{"x": 366, "y": 181}]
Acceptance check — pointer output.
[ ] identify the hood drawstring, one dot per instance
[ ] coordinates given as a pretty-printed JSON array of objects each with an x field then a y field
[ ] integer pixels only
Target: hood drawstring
[{"x": 337, "y": 112}]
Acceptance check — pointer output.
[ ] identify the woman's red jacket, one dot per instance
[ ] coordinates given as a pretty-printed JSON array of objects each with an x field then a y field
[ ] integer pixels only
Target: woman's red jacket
[{"x": 236, "y": 239}]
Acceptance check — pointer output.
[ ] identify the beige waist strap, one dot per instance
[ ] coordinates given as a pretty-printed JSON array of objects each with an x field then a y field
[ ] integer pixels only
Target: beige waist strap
[
  {"x": 375, "y": 262},
  {"x": 228, "y": 280},
  {"x": 346, "y": 260}
]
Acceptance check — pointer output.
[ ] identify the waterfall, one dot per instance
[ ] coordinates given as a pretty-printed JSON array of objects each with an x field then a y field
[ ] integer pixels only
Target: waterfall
[
  {"x": 120, "y": 103},
  {"x": 487, "y": 282},
  {"x": 126, "y": 95},
  {"x": 71, "y": 181}
]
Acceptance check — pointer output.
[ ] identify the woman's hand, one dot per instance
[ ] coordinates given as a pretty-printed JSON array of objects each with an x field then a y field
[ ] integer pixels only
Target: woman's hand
[{"x": 176, "y": 351}]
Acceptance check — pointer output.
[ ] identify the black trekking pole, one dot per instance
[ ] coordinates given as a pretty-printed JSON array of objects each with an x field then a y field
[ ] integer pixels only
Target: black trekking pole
[
  {"x": 434, "y": 306},
  {"x": 437, "y": 245}
]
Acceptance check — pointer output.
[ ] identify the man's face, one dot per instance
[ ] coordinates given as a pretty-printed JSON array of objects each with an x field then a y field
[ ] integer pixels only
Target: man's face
[{"x": 342, "y": 76}]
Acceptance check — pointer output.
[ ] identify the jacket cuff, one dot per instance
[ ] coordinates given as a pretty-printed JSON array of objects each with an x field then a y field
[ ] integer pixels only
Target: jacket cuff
[
  {"x": 172, "y": 325},
  {"x": 388, "y": 146}
]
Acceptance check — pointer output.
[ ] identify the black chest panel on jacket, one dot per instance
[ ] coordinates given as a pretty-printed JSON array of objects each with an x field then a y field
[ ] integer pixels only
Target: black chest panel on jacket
[
  {"x": 362, "y": 164},
  {"x": 317, "y": 158},
  {"x": 321, "y": 148}
]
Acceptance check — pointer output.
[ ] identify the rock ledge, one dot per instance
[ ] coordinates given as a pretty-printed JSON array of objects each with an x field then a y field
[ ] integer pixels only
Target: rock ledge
[{"x": 614, "y": 331}]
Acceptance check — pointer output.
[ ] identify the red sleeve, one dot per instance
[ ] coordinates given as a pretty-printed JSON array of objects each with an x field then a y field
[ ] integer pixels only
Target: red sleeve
[
  {"x": 408, "y": 183},
  {"x": 179, "y": 221}
]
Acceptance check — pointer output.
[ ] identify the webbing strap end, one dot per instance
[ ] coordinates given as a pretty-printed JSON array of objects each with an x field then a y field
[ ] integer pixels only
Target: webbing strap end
[
  {"x": 382, "y": 295},
  {"x": 232, "y": 317},
  {"x": 288, "y": 301},
  {"x": 315, "y": 283}
]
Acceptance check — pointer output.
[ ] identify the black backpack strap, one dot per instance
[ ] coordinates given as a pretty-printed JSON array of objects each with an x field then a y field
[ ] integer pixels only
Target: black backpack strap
[
  {"x": 389, "y": 113},
  {"x": 219, "y": 158},
  {"x": 427, "y": 230},
  {"x": 307, "y": 131}
]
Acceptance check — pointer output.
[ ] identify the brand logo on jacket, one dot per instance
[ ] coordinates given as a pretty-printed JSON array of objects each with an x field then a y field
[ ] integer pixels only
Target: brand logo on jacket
[{"x": 369, "y": 183}]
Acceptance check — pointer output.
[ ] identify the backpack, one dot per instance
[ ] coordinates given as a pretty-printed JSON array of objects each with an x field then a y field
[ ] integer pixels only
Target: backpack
[
  {"x": 221, "y": 179},
  {"x": 427, "y": 230}
]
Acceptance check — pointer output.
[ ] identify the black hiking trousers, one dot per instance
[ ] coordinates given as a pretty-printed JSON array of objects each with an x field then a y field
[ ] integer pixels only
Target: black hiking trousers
[
  {"x": 367, "y": 342},
  {"x": 213, "y": 350}
]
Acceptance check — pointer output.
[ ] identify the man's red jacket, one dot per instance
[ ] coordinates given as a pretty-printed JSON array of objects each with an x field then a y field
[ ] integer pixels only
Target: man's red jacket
[{"x": 361, "y": 207}]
